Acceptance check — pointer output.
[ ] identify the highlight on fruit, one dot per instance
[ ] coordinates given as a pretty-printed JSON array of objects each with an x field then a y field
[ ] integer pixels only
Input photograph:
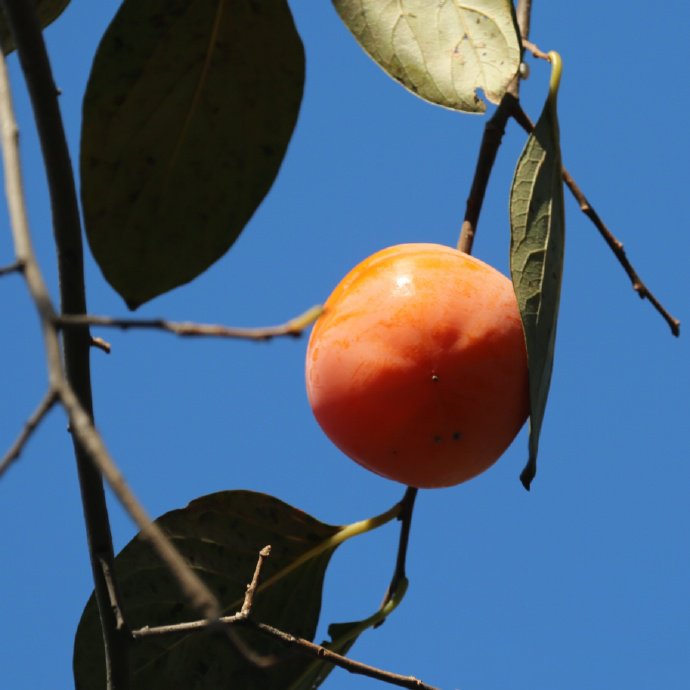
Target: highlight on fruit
[{"x": 417, "y": 368}]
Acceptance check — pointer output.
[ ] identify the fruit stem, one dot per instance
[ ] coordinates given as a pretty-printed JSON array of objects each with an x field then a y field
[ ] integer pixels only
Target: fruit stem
[
  {"x": 556, "y": 71},
  {"x": 399, "y": 579}
]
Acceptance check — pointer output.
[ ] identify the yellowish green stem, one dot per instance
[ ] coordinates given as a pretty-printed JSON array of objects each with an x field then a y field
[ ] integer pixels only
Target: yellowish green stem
[
  {"x": 343, "y": 534},
  {"x": 303, "y": 321},
  {"x": 555, "y": 81}
]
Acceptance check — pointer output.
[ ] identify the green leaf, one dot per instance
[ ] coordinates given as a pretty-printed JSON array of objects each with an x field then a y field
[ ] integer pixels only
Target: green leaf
[
  {"x": 47, "y": 12},
  {"x": 441, "y": 51},
  {"x": 536, "y": 258},
  {"x": 220, "y": 536},
  {"x": 187, "y": 116}
]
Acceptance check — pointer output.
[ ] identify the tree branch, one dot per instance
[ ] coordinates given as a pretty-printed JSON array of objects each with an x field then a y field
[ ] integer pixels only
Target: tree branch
[
  {"x": 611, "y": 240},
  {"x": 192, "y": 626},
  {"x": 30, "y": 426},
  {"x": 33, "y": 58},
  {"x": 318, "y": 652},
  {"x": 491, "y": 142},
  {"x": 535, "y": 50},
  {"x": 488, "y": 149},
  {"x": 295, "y": 327},
  {"x": 93, "y": 456},
  {"x": 305, "y": 647},
  {"x": 523, "y": 14}
]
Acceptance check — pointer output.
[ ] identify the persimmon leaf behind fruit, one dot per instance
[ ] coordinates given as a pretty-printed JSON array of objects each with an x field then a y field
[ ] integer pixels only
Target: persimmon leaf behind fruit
[{"x": 537, "y": 219}]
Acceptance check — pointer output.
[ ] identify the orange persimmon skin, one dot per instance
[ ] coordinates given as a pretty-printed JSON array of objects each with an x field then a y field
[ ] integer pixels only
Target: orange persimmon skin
[{"x": 417, "y": 368}]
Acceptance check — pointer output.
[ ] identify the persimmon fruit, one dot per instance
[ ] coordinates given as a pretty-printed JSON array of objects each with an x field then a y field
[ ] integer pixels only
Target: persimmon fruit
[{"x": 417, "y": 368}]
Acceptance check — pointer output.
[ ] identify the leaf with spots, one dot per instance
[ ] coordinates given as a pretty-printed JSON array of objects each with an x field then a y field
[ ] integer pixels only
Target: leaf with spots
[
  {"x": 537, "y": 222},
  {"x": 220, "y": 536},
  {"x": 441, "y": 51},
  {"x": 188, "y": 112},
  {"x": 47, "y": 11}
]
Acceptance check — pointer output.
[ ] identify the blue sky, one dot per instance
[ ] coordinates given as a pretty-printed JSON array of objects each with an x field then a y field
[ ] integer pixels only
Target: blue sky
[{"x": 582, "y": 583}]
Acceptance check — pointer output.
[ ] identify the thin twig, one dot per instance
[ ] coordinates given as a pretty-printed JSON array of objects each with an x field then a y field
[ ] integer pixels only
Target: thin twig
[
  {"x": 109, "y": 578},
  {"x": 318, "y": 652},
  {"x": 191, "y": 626},
  {"x": 295, "y": 327},
  {"x": 617, "y": 248},
  {"x": 523, "y": 14},
  {"x": 251, "y": 587},
  {"x": 491, "y": 142},
  {"x": 535, "y": 50},
  {"x": 488, "y": 149},
  {"x": 30, "y": 426},
  {"x": 611, "y": 240},
  {"x": 100, "y": 344},
  {"x": 87, "y": 440},
  {"x": 16, "y": 267},
  {"x": 297, "y": 643},
  {"x": 198, "y": 594},
  {"x": 184, "y": 628}
]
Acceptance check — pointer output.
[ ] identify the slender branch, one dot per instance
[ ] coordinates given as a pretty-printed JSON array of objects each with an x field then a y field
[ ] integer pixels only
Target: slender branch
[
  {"x": 184, "y": 628},
  {"x": 91, "y": 449},
  {"x": 318, "y": 652},
  {"x": 305, "y": 647},
  {"x": 16, "y": 267},
  {"x": 523, "y": 14},
  {"x": 619, "y": 252},
  {"x": 251, "y": 587},
  {"x": 81, "y": 426},
  {"x": 30, "y": 426},
  {"x": 294, "y": 327},
  {"x": 224, "y": 623},
  {"x": 109, "y": 578},
  {"x": 491, "y": 142},
  {"x": 191, "y": 626},
  {"x": 299, "y": 644},
  {"x": 534, "y": 49},
  {"x": 488, "y": 149},
  {"x": 611, "y": 240},
  {"x": 76, "y": 376},
  {"x": 100, "y": 344}
]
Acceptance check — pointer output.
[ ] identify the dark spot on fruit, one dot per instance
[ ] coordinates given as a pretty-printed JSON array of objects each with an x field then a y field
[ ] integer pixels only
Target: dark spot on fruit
[
  {"x": 456, "y": 436},
  {"x": 437, "y": 439}
]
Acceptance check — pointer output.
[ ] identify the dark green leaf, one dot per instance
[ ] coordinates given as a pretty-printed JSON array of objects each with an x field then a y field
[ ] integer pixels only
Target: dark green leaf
[
  {"x": 441, "y": 51},
  {"x": 220, "y": 535},
  {"x": 187, "y": 115},
  {"x": 47, "y": 12},
  {"x": 536, "y": 260}
]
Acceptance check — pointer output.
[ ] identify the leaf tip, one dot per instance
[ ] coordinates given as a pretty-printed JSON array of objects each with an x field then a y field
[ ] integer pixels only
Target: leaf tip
[
  {"x": 528, "y": 474},
  {"x": 133, "y": 304}
]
